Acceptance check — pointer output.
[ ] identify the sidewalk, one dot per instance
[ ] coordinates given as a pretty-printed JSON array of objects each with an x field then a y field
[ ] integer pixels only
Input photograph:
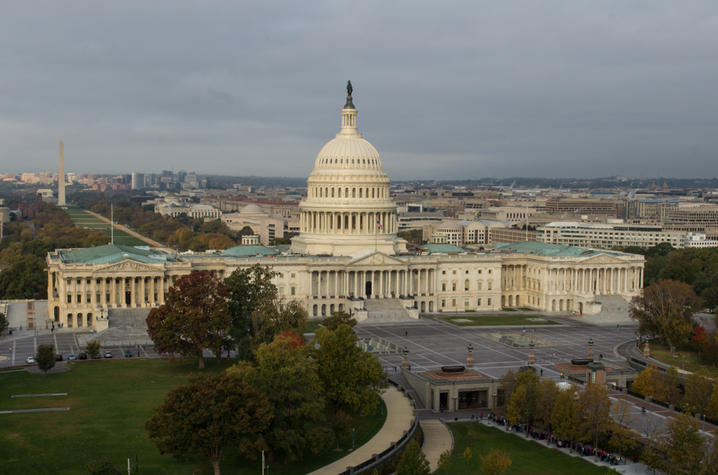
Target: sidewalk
[
  {"x": 399, "y": 416},
  {"x": 437, "y": 439}
]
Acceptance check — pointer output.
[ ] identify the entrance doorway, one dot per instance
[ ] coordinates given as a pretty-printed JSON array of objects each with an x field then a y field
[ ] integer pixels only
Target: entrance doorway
[
  {"x": 367, "y": 289},
  {"x": 443, "y": 401}
]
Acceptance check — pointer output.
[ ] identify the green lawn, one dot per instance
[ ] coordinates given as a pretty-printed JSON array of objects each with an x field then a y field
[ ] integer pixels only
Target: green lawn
[
  {"x": 312, "y": 326},
  {"x": 527, "y": 457},
  {"x": 110, "y": 402},
  {"x": 685, "y": 358},
  {"x": 487, "y": 320},
  {"x": 84, "y": 219}
]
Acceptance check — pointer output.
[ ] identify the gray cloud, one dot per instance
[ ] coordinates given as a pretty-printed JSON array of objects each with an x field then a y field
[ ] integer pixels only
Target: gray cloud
[{"x": 458, "y": 89}]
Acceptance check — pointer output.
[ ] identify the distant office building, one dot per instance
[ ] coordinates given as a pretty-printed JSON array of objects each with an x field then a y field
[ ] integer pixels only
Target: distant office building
[
  {"x": 607, "y": 236},
  {"x": 138, "y": 181}
]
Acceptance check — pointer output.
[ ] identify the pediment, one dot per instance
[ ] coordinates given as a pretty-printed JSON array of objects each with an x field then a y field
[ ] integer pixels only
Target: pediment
[
  {"x": 603, "y": 259},
  {"x": 128, "y": 265},
  {"x": 376, "y": 259}
]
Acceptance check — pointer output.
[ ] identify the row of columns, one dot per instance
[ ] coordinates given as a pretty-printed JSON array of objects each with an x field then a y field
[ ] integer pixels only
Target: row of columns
[
  {"x": 384, "y": 283},
  {"x": 348, "y": 222},
  {"x": 112, "y": 291},
  {"x": 345, "y": 192},
  {"x": 596, "y": 280}
]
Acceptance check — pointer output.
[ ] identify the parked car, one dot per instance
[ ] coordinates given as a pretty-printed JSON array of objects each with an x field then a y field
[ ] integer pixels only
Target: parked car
[
  {"x": 128, "y": 354},
  {"x": 30, "y": 360},
  {"x": 108, "y": 354},
  {"x": 58, "y": 357},
  {"x": 71, "y": 357},
  {"x": 82, "y": 356}
]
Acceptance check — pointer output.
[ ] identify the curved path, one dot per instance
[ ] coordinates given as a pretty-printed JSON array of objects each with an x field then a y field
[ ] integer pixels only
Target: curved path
[
  {"x": 437, "y": 439},
  {"x": 399, "y": 417}
]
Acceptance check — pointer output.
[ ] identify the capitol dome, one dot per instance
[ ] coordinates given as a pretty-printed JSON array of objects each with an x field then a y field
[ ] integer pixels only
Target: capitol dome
[{"x": 348, "y": 207}]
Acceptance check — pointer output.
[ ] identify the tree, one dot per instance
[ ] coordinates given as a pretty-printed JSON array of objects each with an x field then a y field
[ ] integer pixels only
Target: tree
[
  {"x": 45, "y": 357},
  {"x": 698, "y": 386},
  {"x": 250, "y": 289},
  {"x": 195, "y": 317},
  {"x": 622, "y": 439},
  {"x": 670, "y": 391},
  {"x": 646, "y": 381},
  {"x": 517, "y": 411},
  {"x": 684, "y": 447},
  {"x": 712, "y": 409},
  {"x": 413, "y": 461},
  {"x": 665, "y": 309},
  {"x": 351, "y": 377},
  {"x": 595, "y": 410},
  {"x": 496, "y": 462},
  {"x": 287, "y": 374},
  {"x": 467, "y": 455},
  {"x": 565, "y": 418},
  {"x": 445, "y": 458},
  {"x": 273, "y": 319},
  {"x": 92, "y": 348},
  {"x": 338, "y": 318},
  {"x": 24, "y": 278},
  {"x": 209, "y": 414},
  {"x": 3, "y": 323},
  {"x": 547, "y": 395},
  {"x": 523, "y": 402}
]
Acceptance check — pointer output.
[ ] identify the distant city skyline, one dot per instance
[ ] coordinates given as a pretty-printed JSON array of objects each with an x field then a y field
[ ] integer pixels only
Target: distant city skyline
[{"x": 471, "y": 90}]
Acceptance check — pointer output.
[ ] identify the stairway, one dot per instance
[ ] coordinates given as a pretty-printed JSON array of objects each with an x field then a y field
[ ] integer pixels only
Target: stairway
[{"x": 386, "y": 310}]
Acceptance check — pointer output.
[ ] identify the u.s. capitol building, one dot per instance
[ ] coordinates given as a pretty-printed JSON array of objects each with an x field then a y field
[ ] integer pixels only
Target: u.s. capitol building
[{"x": 348, "y": 257}]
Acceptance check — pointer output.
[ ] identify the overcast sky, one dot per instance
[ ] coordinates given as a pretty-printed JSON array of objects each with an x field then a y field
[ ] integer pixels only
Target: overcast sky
[{"x": 444, "y": 90}]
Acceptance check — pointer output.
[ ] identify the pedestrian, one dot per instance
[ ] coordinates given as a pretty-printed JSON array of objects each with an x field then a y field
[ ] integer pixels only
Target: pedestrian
[
  {"x": 541, "y": 371},
  {"x": 406, "y": 332}
]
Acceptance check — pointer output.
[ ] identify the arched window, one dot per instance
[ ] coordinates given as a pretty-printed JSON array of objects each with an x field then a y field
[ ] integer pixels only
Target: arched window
[{"x": 466, "y": 284}]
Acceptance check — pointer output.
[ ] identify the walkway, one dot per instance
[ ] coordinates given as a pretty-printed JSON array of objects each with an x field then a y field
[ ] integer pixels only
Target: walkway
[
  {"x": 399, "y": 416},
  {"x": 132, "y": 233},
  {"x": 437, "y": 439}
]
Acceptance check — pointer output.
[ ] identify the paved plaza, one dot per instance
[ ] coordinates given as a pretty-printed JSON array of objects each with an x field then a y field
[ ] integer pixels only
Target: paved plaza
[{"x": 435, "y": 343}]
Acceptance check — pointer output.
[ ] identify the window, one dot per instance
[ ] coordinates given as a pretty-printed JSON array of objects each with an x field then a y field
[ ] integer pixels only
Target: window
[
  {"x": 443, "y": 303},
  {"x": 294, "y": 275},
  {"x": 488, "y": 302},
  {"x": 488, "y": 285},
  {"x": 454, "y": 272},
  {"x": 443, "y": 286},
  {"x": 478, "y": 302},
  {"x": 466, "y": 303},
  {"x": 453, "y": 302},
  {"x": 489, "y": 271},
  {"x": 453, "y": 286},
  {"x": 443, "y": 272},
  {"x": 479, "y": 271},
  {"x": 478, "y": 285},
  {"x": 466, "y": 284}
]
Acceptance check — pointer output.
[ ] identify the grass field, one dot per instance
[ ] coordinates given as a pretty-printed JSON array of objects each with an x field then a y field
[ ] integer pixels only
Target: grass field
[
  {"x": 527, "y": 457},
  {"x": 109, "y": 403},
  {"x": 686, "y": 358},
  {"x": 84, "y": 219},
  {"x": 312, "y": 326},
  {"x": 488, "y": 320}
]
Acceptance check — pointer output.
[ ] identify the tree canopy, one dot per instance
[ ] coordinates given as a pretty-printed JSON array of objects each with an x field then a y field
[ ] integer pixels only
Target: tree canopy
[
  {"x": 287, "y": 374},
  {"x": 195, "y": 317},
  {"x": 250, "y": 289},
  {"x": 665, "y": 309},
  {"x": 413, "y": 461},
  {"x": 45, "y": 357},
  {"x": 210, "y": 414},
  {"x": 350, "y": 376}
]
